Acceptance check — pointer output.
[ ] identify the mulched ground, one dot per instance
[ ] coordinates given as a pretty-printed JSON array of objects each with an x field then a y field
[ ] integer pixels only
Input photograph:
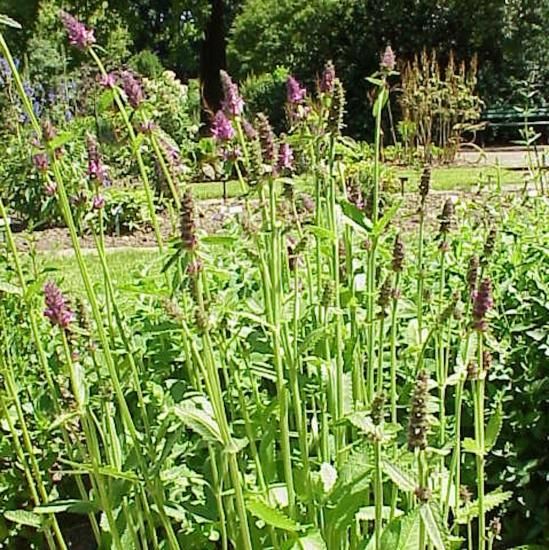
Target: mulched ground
[{"x": 213, "y": 214}]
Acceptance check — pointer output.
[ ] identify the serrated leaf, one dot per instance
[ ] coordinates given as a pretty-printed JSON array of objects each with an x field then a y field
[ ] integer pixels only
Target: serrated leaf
[
  {"x": 368, "y": 513},
  {"x": 493, "y": 428},
  {"x": 71, "y": 505},
  {"x": 197, "y": 414},
  {"x": 23, "y": 517},
  {"x": 408, "y": 538},
  {"x": 271, "y": 516},
  {"x": 363, "y": 422},
  {"x": 405, "y": 481},
  {"x": 431, "y": 518},
  {"x": 491, "y": 500}
]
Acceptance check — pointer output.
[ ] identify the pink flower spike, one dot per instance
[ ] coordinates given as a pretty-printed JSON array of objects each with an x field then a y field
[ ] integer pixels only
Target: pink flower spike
[
  {"x": 295, "y": 91},
  {"x": 222, "y": 129},
  {"x": 57, "y": 309},
  {"x": 79, "y": 35}
]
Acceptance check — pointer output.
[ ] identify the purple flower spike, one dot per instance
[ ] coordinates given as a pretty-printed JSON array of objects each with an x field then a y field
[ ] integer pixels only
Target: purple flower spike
[
  {"x": 285, "y": 157},
  {"x": 96, "y": 169},
  {"x": 249, "y": 130},
  {"x": 132, "y": 89},
  {"x": 79, "y": 35},
  {"x": 50, "y": 188},
  {"x": 328, "y": 78},
  {"x": 40, "y": 161},
  {"x": 57, "y": 309},
  {"x": 107, "y": 80},
  {"x": 482, "y": 302},
  {"x": 98, "y": 202},
  {"x": 222, "y": 129},
  {"x": 233, "y": 104},
  {"x": 388, "y": 60},
  {"x": 295, "y": 92}
]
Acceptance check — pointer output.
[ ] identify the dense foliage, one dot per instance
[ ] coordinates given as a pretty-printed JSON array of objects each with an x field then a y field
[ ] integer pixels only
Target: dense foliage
[
  {"x": 335, "y": 367},
  {"x": 509, "y": 38}
]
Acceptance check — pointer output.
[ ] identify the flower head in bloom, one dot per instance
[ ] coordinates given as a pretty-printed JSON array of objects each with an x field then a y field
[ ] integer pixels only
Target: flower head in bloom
[
  {"x": 40, "y": 161},
  {"x": 285, "y": 157},
  {"x": 96, "y": 169},
  {"x": 295, "y": 92},
  {"x": 79, "y": 35},
  {"x": 249, "y": 131},
  {"x": 222, "y": 128},
  {"x": 50, "y": 188},
  {"x": 147, "y": 127},
  {"x": 132, "y": 89},
  {"x": 233, "y": 104},
  {"x": 388, "y": 59},
  {"x": 482, "y": 302},
  {"x": 107, "y": 80},
  {"x": 328, "y": 77},
  {"x": 231, "y": 154},
  {"x": 98, "y": 202},
  {"x": 57, "y": 309},
  {"x": 266, "y": 139}
]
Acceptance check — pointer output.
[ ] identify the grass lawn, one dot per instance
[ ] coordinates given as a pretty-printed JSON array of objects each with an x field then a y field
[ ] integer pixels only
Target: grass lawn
[
  {"x": 444, "y": 178},
  {"x": 124, "y": 264},
  {"x": 461, "y": 178}
]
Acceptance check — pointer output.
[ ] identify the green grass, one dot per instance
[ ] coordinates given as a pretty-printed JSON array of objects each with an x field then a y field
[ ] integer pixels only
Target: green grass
[
  {"x": 462, "y": 178},
  {"x": 444, "y": 178},
  {"x": 124, "y": 264}
]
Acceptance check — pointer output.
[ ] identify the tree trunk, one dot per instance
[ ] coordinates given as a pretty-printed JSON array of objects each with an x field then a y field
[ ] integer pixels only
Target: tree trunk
[{"x": 213, "y": 58}]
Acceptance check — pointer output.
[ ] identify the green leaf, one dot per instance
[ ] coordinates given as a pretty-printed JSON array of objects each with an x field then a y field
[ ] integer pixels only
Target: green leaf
[
  {"x": 312, "y": 540},
  {"x": 469, "y": 445},
  {"x": 105, "y": 101},
  {"x": 328, "y": 476},
  {"x": 271, "y": 516},
  {"x": 356, "y": 215},
  {"x": 386, "y": 218},
  {"x": 363, "y": 422},
  {"x": 405, "y": 481},
  {"x": 7, "y": 288},
  {"x": 493, "y": 428},
  {"x": 9, "y": 22},
  {"x": 80, "y": 383},
  {"x": 368, "y": 513},
  {"x": 219, "y": 240},
  {"x": 109, "y": 471},
  {"x": 380, "y": 102},
  {"x": 408, "y": 538},
  {"x": 431, "y": 518},
  {"x": 322, "y": 233},
  {"x": 72, "y": 505},
  {"x": 60, "y": 139},
  {"x": 23, "y": 517},
  {"x": 491, "y": 500},
  {"x": 197, "y": 414}
]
